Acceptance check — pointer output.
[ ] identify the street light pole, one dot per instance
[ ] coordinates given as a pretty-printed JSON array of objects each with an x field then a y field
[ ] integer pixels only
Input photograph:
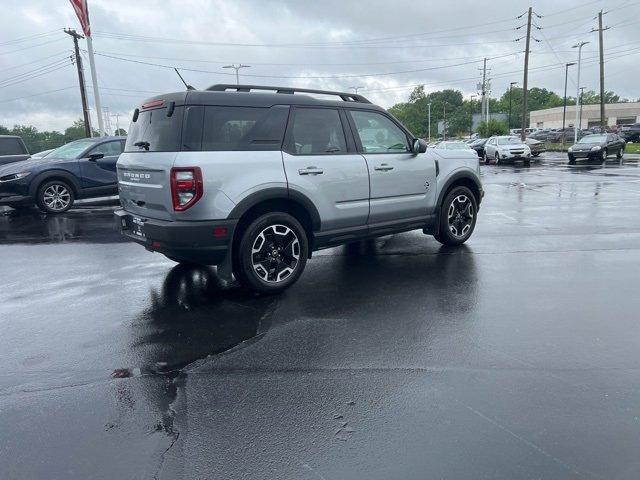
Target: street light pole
[
  {"x": 429, "y": 105},
  {"x": 237, "y": 68},
  {"x": 510, "y": 88},
  {"x": 564, "y": 109},
  {"x": 444, "y": 121},
  {"x": 581, "y": 93},
  {"x": 355, "y": 89},
  {"x": 576, "y": 126}
]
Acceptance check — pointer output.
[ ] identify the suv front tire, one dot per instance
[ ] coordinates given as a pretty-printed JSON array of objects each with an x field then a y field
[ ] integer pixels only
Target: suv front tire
[
  {"x": 458, "y": 215},
  {"x": 271, "y": 253}
]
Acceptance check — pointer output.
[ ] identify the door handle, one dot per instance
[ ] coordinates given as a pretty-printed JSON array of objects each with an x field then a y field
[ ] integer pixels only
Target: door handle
[
  {"x": 383, "y": 167},
  {"x": 311, "y": 171}
]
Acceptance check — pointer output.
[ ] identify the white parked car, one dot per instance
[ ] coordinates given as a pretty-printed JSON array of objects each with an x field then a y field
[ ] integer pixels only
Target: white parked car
[
  {"x": 506, "y": 148},
  {"x": 452, "y": 145}
]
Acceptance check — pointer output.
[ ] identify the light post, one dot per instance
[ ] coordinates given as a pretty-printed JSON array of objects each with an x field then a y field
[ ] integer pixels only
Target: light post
[
  {"x": 510, "y": 88},
  {"x": 564, "y": 109},
  {"x": 575, "y": 130},
  {"x": 237, "y": 68},
  {"x": 444, "y": 121},
  {"x": 429, "y": 105},
  {"x": 581, "y": 93},
  {"x": 355, "y": 89}
]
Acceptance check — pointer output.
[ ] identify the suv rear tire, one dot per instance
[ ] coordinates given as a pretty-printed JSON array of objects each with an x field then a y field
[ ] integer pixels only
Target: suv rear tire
[
  {"x": 271, "y": 254},
  {"x": 55, "y": 196},
  {"x": 458, "y": 215}
]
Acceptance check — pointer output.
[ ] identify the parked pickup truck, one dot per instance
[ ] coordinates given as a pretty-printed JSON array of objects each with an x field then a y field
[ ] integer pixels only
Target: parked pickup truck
[{"x": 12, "y": 149}]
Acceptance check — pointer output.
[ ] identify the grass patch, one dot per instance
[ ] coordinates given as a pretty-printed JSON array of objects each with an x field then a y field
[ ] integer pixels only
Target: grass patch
[{"x": 632, "y": 148}]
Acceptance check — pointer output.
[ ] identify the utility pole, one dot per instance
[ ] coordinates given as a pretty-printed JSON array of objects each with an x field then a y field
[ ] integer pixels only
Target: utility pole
[
  {"x": 107, "y": 121},
  {"x": 576, "y": 126},
  {"x": 525, "y": 83},
  {"x": 600, "y": 30},
  {"x": 510, "y": 92},
  {"x": 117, "y": 115},
  {"x": 564, "y": 109},
  {"x": 237, "y": 69},
  {"x": 83, "y": 93}
]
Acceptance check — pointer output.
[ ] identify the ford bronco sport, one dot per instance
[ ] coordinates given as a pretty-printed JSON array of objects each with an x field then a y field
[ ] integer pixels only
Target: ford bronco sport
[{"x": 254, "y": 179}]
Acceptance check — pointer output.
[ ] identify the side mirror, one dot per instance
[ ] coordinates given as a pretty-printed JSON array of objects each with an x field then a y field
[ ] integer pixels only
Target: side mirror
[
  {"x": 419, "y": 146},
  {"x": 95, "y": 156}
]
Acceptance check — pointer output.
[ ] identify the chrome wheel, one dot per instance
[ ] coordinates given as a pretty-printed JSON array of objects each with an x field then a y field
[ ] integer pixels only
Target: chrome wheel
[
  {"x": 275, "y": 253},
  {"x": 460, "y": 216},
  {"x": 56, "y": 197}
]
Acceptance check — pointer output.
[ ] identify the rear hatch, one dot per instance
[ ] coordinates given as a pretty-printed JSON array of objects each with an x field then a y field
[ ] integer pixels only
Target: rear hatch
[{"x": 152, "y": 145}]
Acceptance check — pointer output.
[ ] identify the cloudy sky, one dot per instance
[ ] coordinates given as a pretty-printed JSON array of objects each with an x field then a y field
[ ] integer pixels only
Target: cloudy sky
[{"x": 385, "y": 47}]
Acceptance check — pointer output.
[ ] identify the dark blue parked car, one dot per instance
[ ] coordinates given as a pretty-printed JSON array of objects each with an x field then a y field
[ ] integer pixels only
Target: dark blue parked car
[{"x": 82, "y": 169}]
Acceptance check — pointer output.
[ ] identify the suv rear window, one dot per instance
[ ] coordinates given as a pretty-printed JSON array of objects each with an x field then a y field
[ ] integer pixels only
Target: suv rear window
[
  {"x": 11, "y": 146},
  {"x": 243, "y": 128},
  {"x": 162, "y": 133}
]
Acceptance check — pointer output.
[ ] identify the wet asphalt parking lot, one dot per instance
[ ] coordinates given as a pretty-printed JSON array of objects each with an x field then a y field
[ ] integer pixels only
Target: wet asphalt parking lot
[{"x": 516, "y": 356}]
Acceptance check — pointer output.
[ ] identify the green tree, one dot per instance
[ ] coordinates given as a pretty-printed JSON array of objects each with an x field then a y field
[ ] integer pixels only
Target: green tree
[
  {"x": 494, "y": 127},
  {"x": 120, "y": 132}
]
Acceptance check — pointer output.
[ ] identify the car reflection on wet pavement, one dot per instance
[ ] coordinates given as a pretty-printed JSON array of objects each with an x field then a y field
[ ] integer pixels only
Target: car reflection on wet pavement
[{"x": 515, "y": 356}]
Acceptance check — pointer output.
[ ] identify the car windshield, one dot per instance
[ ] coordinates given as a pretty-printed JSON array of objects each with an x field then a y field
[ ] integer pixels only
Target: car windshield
[
  {"x": 509, "y": 141},
  {"x": 593, "y": 139},
  {"x": 70, "y": 150}
]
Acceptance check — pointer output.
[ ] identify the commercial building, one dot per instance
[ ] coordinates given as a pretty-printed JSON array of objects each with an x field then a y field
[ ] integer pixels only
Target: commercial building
[{"x": 615, "y": 114}]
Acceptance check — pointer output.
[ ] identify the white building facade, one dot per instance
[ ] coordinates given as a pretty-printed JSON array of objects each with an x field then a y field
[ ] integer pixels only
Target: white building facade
[{"x": 615, "y": 114}]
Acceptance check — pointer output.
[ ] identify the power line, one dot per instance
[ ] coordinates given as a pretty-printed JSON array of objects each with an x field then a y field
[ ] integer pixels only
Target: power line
[
  {"x": 36, "y": 94},
  {"x": 36, "y": 70},
  {"x": 32, "y": 46},
  {"x": 48, "y": 57},
  {"x": 29, "y": 37},
  {"x": 46, "y": 72}
]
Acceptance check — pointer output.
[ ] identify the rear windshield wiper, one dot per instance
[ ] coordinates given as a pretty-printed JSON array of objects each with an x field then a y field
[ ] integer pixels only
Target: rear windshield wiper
[{"x": 144, "y": 145}]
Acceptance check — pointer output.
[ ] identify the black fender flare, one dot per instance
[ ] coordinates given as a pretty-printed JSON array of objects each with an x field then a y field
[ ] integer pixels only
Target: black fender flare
[
  {"x": 64, "y": 174},
  {"x": 277, "y": 193},
  {"x": 461, "y": 175}
]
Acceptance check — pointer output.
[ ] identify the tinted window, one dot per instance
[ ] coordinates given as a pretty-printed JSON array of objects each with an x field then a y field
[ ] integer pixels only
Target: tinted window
[
  {"x": 244, "y": 128},
  {"x": 108, "y": 149},
  {"x": 11, "y": 146},
  {"x": 317, "y": 131},
  {"x": 378, "y": 134},
  {"x": 153, "y": 126}
]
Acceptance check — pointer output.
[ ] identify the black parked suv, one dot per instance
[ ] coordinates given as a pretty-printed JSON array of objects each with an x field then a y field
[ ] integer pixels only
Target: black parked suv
[
  {"x": 12, "y": 149},
  {"x": 631, "y": 133},
  {"x": 82, "y": 169}
]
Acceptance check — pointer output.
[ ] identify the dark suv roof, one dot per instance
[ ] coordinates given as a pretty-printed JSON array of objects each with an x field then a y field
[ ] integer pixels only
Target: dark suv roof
[{"x": 259, "y": 96}]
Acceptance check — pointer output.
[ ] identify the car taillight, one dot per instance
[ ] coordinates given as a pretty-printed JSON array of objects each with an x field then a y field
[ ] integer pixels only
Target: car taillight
[{"x": 186, "y": 187}]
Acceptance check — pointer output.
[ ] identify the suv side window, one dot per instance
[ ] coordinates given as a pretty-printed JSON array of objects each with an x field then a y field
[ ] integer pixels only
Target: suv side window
[
  {"x": 316, "y": 131},
  {"x": 108, "y": 149},
  {"x": 378, "y": 134},
  {"x": 243, "y": 128}
]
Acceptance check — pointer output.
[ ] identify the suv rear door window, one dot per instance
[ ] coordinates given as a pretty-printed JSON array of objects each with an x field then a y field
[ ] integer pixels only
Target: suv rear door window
[
  {"x": 162, "y": 133},
  {"x": 244, "y": 128},
  {"x": 378, "y": 134},
  {"x": 317, "y": 131},
  {"x": 11, "y": 146}
]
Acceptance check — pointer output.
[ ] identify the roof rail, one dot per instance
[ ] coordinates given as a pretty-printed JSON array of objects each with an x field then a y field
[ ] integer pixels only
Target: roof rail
[{"x": 347, "y": 97}]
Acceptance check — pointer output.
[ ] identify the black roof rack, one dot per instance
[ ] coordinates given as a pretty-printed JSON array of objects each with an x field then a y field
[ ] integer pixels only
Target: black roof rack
[{"x": 347, "y": 97}]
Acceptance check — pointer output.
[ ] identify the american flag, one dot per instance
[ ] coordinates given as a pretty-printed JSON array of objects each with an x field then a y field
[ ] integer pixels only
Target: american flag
[{"x": 82, "y": 11}]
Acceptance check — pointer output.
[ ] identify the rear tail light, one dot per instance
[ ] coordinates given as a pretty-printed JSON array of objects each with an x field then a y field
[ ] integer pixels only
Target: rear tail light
[{"x": 186, "y": 187}]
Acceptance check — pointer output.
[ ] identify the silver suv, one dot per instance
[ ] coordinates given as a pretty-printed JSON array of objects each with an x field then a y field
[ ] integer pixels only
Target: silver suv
[{"x": 254, "y": 179}]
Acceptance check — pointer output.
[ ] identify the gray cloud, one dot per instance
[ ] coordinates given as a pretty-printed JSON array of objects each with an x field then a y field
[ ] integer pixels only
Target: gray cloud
[{"x": 439, "y": 44}]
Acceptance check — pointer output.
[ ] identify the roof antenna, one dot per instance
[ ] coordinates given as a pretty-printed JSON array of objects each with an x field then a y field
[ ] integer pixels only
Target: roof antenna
[{"x": 189, "y": 87}]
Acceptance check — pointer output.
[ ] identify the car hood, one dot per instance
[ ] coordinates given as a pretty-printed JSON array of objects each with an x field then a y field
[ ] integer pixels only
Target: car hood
[
  {"x": 582, "y": 146},
  {"x": 24, "y": 165},
  {"x": 512, "y": 146}
]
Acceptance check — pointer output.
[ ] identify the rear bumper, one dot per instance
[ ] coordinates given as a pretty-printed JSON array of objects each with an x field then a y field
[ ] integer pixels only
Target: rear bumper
[{"x": 187, "y": 241}]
